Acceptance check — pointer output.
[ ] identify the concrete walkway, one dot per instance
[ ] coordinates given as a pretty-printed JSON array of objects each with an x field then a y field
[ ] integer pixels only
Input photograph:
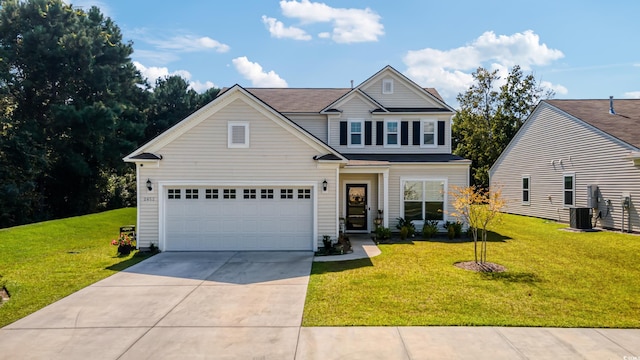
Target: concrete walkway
[{"x": 249, "y": 305}]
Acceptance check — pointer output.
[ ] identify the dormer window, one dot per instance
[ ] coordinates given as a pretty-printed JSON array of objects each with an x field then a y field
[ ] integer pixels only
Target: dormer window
[
  {"x": 387, "y": 86},
  {"x": 238, "y": 135}
]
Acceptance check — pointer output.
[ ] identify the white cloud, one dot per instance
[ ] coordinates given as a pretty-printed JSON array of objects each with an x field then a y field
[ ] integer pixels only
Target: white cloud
[
  {"x": 278, "y": 30},
  {"x": 349, "y": 25},
  {"x": 450, "y": 70},
  {"x": 557, "y": 88},
  {"x": 254, "y": 72},
  {"x": 153, "y": 73},
  {"x": 189, "y": 43},
  {"x": 632, "y": 94}
]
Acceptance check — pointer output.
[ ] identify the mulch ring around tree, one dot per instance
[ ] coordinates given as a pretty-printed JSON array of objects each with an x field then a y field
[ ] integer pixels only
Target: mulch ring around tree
[{"x": 481, "y": 267}]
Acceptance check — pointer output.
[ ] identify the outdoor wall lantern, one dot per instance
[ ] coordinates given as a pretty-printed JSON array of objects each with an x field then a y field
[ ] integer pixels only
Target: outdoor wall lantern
[
  {"x": 324, "y": 185},
  {"x": 149, "y": 185}
]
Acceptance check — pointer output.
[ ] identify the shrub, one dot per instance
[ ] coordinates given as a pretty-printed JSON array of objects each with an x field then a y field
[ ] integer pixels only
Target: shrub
[
  {"x": 429, "y": 229},
  {"x": 411, "y": 229}
]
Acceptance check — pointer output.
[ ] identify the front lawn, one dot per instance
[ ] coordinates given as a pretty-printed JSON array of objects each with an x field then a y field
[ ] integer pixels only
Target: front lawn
[
  {"x": 44, "y": 262},
  {"x": 554, "y": 278}
]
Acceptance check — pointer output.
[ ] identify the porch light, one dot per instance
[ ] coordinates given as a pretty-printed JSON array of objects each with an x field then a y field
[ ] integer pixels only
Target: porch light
[
  {"x": 324, "y": 185},
  {"x": 149, "y": 185}
]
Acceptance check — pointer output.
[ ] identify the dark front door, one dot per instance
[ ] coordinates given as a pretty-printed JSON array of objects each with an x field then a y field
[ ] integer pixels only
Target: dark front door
[{"x": 357, "y": 207}]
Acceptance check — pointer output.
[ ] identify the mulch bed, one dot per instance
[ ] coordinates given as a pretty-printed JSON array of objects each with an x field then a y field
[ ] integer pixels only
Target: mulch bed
[{"x": 484, "y": 267}]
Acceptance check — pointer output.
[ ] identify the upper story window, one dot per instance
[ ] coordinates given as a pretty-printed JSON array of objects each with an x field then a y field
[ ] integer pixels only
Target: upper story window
[
  {"x": 238, "y": 135},
  {"x": 387, "y": 86},
  {"x": 356, "y": 133},
  {"x": 391, "y": 133},
  {"x": 569, "y": 190},
  {"x": 428, "y": 131}
]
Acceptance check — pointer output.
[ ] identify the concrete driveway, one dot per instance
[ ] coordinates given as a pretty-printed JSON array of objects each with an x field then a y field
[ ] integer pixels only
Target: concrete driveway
[{"x": 237, "y": 305}]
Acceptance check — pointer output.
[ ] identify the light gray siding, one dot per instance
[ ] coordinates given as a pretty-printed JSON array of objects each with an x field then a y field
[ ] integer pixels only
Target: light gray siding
[
  {"x": 403, "y": 94},
  {"x": 201, "y": 155},
  {"x": 315, "y": 124},
  {"x": 551, "y": 144}
]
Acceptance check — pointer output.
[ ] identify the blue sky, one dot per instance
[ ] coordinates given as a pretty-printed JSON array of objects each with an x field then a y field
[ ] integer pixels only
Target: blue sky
[{"x": 582, "y": 49}]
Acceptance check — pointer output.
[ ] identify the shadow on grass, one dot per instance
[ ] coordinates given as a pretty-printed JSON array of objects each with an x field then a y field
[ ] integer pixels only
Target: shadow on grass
[
  {"x": 491, "y": 237},
  {"x": 512, "y": 277},
  {"x": 339, "y": 266},
  {"x": 127, "y": 262}
]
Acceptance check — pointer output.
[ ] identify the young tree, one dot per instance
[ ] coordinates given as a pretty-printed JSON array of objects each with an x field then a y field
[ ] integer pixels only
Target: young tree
[
  {"x": 478, "y": 209},
  {"x": 490, "y": 116}
]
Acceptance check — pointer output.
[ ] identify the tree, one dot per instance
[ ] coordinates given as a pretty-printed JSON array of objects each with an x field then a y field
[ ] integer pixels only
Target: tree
[
  {"x": 75, "y": 108},
  {"x": 477, "y": 208},
  {"x": 488, "y": 118}
]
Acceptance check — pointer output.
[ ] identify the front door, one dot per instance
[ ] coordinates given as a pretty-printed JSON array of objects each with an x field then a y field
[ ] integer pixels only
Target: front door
[{"x": 356, "y": 207}]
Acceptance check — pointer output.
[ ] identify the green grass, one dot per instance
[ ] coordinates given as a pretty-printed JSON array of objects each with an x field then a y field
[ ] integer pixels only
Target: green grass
[
  {"x": 44, "y": 262},
  {"x": 554, "y": 278}
]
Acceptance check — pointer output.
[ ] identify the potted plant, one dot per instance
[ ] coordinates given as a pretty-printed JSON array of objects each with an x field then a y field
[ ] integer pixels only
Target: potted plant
[
  {"x": 378, "y": 220},
  {"x": 125, "y": 244}
]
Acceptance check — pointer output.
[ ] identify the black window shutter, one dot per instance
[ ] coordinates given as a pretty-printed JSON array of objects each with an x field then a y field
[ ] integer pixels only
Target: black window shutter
[
  {"x": 404, "y": 133},
  {"x": 440, "y": 132},
  {"x": 367, "y": 132},
  {"x": 343, "y": 133},
  {"x": 379, "y": 132},
  {"x": 416, "y": 133}
]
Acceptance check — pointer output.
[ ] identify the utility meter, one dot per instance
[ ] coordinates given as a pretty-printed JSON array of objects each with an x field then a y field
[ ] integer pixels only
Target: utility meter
[{"x": 625, "y": 200}]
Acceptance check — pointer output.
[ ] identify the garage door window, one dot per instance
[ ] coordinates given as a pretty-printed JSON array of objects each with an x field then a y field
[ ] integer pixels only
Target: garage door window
[
  {"x": 191, "y": 193},
  {"x": 211, "y": 194},
  {"x": 304, "y": 193},
  {"x": 286, "y": 193},
  {"x": 229, "y": 193},
  {"x": 249, "y": 193},
  {"x": 266, "y": 193},
  {"x": 174, "y": 193}
]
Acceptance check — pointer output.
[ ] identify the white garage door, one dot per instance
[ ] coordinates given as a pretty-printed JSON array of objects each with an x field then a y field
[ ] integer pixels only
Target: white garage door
[{"x": 238, "y": 218}]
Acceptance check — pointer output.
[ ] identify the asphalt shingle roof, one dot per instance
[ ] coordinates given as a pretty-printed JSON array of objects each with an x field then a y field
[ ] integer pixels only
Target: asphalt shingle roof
[{"x": 624, "y": 125}]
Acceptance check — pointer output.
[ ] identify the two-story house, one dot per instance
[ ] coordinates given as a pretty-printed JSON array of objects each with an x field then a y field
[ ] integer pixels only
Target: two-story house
[{"x": 278, "y": 168}]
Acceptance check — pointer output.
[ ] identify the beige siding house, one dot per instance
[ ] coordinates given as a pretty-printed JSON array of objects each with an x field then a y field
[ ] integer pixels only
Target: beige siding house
[
  {"x": 575, "y": 154},
  {"x": 277, "y": 169}
]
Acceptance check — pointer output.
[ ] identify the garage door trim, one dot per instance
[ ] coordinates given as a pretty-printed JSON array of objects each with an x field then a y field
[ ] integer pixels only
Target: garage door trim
[{"x": 164, "y": 184}]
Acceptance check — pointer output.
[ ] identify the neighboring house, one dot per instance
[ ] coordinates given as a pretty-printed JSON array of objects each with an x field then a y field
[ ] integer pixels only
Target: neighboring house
[
  {"x": 575, "y": 153},
  {"x": 276, "y": 169}
]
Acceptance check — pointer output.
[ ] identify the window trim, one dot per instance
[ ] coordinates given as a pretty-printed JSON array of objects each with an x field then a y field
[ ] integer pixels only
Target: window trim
[
  {"x": 349, "y": 133},
  {"x": 528, "y": 190},
  {"x": 388, "y": 82},
  {"x": 386, "y": 133},
  {"x": 445, "y": 200},
  {"x": 573, "y": 190},
  {"x": 435, "y": 133},
  {"x": 230, "y": 126}
]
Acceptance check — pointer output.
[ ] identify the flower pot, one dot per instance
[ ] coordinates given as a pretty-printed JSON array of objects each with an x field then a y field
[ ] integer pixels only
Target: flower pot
[{"x": 124, "y": 249}]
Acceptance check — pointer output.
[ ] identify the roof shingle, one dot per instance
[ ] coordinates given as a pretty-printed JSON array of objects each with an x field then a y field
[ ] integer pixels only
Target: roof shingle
[{"x": 624, "y": 125}]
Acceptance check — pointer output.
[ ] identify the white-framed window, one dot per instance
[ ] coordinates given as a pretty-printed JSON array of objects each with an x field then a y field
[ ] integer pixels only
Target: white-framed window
[
  {"x": 286, "y": 193},
  {"x": 266, "y": 193},
  {"x": 424, "y": 199},
  {"x": 229, "y": 193},
  {"x": 304, "y": 193},
  {"x": 387, "y": 86},
  {"x": 238, "y": 134},
  {"x": 569, "y": 190},
  {"x": 428, "y": 131},
  {"x": 355, "y": 133},
  {"x": 526, "y": 189},
  {"x": 249, "y": 193},
  {"x": 211, "y": 194},
  {"x": 191, "y": 193},
  {"x": 392, "y": 133},
  {"x": 173, "y": 193}
]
